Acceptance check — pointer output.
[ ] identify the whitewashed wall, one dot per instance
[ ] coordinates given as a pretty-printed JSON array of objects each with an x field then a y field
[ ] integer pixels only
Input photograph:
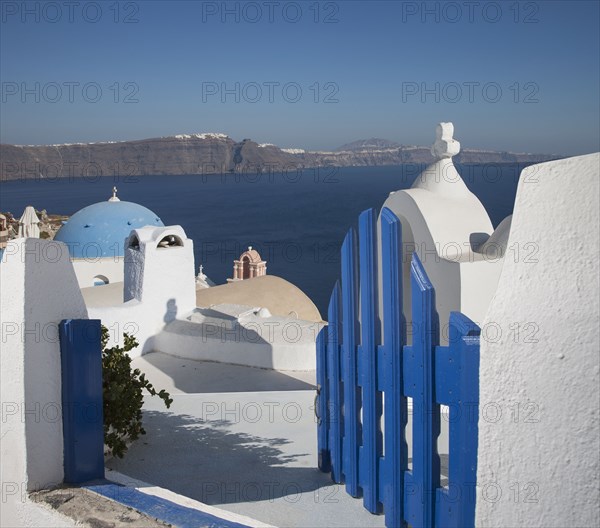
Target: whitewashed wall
[
  {"x": 38, "y": 289},
  {"x": 539, "y": 433},
  {"x": 87, "y": 269}
]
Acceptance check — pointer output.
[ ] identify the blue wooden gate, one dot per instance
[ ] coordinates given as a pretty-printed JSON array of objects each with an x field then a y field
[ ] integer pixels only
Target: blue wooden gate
[{"x": 366, "y": 372}]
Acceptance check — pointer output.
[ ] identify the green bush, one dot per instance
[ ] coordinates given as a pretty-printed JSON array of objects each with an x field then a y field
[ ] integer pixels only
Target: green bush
[{"x": 122, "y": 393}]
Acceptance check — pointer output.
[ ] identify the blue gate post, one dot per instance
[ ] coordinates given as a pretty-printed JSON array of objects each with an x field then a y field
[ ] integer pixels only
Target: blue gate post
[
  {"x": 352, "y": 396},
  {"x": 464, "y": 438},
  {"x": 457, "y": 385},
  {"x": 394, "y": 338},
  {"x": 83, "y": 432}
]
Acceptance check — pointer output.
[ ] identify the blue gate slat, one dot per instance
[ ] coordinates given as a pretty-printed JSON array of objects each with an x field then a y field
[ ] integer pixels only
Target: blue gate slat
[
  {"x": 410, "y": 491},
  {"x": 335, "y": 389},
  {"x": 372, "y": 438},
  {"x": 352, "y": 394},
  {"x": 409, "y": 371},
  {"x": 321, "y": 405},
  {"x": 446, "y": 379},
  {"x": 396, "y": 449},
  {"x": 382, "y": 372},
  {"x": 426, "y": 413}
]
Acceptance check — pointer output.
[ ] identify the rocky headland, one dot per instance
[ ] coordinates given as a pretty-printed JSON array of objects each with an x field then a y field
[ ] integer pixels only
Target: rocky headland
[{"x": 210, "y": 153}]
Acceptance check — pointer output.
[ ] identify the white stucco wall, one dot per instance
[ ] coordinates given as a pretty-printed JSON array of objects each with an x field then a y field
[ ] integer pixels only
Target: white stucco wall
[
  {"x": 134, "y": 318},
  {"x": 87, "y": 269},
  {"x": 539, "y": 433},
  {"x": 29, "y": 514},
  {"x": 38, "y": 290}
]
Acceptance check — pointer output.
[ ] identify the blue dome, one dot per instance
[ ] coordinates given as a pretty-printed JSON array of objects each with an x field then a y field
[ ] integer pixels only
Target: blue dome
[{"x": 100, "y": 230}]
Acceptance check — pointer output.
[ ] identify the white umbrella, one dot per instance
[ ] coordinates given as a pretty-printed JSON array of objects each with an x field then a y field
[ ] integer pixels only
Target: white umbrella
[{"x": 29, "y": 224}]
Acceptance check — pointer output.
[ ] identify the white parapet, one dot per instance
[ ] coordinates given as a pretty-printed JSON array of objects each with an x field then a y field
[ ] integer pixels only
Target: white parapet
[
  {"x": 94, "y": 271},
  {"x": 38, "y": 289},
  {"x": 242, "y": 335},
  {"x": 539, "y": 432}
]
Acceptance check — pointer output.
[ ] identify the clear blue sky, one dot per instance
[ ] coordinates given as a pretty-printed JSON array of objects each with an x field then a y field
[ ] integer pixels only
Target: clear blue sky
[{"x": 370, "y": 60}]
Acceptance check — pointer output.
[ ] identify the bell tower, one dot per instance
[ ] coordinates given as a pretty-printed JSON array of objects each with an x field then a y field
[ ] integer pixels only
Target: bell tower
[
  {"x": 248, "y": 266},
  {"x": 159, "y": 269}
]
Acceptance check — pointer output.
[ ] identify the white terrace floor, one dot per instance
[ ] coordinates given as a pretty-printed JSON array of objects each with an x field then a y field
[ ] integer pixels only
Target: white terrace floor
[{"x": 228, "y": 442}]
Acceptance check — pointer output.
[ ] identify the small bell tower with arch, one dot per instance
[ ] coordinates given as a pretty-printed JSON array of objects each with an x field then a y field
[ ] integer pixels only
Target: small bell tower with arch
[{"x": 249, "y": 265}]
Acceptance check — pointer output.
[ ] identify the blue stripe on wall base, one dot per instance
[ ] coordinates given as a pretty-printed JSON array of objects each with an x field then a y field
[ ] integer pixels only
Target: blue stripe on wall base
[{"x": 161, "y": 509}]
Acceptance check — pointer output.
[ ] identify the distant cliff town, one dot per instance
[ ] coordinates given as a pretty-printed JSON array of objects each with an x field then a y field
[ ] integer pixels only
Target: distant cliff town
[{"x": 210, "y": 153}]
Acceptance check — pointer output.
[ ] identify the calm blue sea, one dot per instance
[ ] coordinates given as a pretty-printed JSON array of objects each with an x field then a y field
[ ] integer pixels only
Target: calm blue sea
[{"x": 297, "y": 221}]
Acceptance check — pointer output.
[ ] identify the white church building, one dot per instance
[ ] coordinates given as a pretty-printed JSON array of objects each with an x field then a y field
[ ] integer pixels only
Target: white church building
[{"x": 95, "y": 237}]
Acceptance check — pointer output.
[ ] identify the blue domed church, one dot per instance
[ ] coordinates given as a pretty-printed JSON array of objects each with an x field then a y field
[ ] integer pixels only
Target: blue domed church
[{"x": 96, "y": 235}]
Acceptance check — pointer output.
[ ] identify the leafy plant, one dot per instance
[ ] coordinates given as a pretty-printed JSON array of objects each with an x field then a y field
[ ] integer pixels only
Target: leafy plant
[{"x": 123, "y": 395}]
